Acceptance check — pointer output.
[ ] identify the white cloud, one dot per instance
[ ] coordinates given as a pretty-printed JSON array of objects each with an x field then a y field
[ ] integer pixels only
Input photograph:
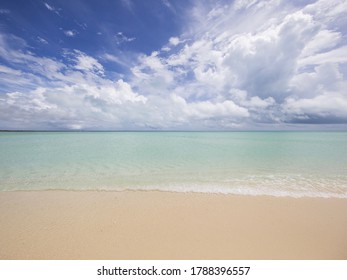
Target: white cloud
[
  {"x": 244, "y": 4},
  {"x": 49, "y": 7},
  {"x": 8, "y": 70},
  {"x": 216, "y": 12},
  {"x": 327, "y": 11},
  {"x": 52, "y": 8},
  {"x": 87, "y": 63},
  {"x": 70, "y": 33},
  {"x": 121, "y": 38},
  {"x": 329, "y": 107},
  {"x": 334, "y": 56},
  {"x": 92, "y": 102},
  {"x": 114, "y": 58},
  {"x": 265, "y": 58},
  {"x": 208, "y": 109},
  {"x": 174, "y": 41},
  {"x": 41, "y": 40},
  {"x": 165, "y": 49},
  {"x": 322, "y": 41},
  {"x": 74, "y": 95},
  {"x": 240, "y": 65},
  {"x": 256, "y": 102},
  {"x": 114, "y": 93}
]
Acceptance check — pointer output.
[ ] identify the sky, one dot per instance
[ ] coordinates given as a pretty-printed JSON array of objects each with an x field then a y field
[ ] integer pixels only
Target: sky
[{"x": 173, "y": 65}]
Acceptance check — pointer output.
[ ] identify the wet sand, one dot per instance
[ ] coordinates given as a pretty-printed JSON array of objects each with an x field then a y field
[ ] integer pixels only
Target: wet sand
[{"x": 164, "y": 225}]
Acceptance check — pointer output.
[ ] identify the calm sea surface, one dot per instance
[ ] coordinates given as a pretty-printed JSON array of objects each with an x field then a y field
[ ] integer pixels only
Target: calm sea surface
[{"x": 294, "y": 164}]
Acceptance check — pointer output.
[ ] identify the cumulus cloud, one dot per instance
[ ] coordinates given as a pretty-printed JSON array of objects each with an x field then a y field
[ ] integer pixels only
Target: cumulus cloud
[
  {"x": 285, "y": 56},
  {"x": 329, "y": 107},
  {"x": 243, "y": 64},
  {"x": 208, "y": 109},
  {"x": 71, "y": 95},
  {"x": 93, "y": 104}
]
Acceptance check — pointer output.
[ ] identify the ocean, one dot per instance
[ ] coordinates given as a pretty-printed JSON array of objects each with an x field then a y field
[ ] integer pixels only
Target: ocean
[{"x": 295, "y": 164}]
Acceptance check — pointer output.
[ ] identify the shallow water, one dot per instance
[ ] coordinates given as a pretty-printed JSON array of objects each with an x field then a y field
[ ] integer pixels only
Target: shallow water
[{"x": 297, "y": 164}]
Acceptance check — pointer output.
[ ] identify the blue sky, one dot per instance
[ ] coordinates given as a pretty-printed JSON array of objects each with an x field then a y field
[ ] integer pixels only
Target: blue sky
[{"x": 172, "y": 65}]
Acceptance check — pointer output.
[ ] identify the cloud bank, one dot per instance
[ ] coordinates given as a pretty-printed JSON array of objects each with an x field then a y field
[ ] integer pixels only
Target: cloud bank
[{"x": 237, "y": 65}]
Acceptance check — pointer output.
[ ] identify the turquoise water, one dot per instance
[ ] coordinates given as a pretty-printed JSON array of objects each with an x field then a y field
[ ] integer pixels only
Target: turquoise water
[{"x": 297, "y": 164}]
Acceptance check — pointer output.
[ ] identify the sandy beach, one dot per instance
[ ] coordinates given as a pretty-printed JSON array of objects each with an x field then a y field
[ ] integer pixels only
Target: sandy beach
[{"x": 163, "y": 225}]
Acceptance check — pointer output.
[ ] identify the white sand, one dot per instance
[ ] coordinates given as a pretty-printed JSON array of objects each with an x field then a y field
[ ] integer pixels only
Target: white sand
[{"x": 163, "y": 225}]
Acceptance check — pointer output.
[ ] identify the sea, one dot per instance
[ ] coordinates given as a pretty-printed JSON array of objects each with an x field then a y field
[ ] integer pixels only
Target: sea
[{"x": 293, "y": 164}]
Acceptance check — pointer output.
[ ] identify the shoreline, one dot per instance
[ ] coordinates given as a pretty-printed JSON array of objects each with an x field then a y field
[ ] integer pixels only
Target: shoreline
[
  {"x": 57, "y": 224},
  {"x": 189, "y": 192}
]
